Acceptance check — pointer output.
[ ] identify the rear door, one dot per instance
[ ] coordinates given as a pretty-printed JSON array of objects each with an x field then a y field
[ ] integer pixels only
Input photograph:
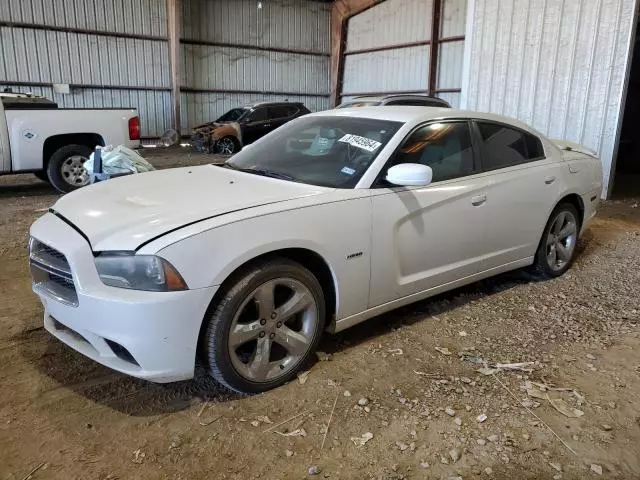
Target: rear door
[
  {"x": 522, "y": 186},
  {"x": 281, "y": 114},
  {"x": 256, "y": 125}
]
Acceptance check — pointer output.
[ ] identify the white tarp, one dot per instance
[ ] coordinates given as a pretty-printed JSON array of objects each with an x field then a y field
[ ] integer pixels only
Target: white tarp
[{"x": 119, "y": 159}]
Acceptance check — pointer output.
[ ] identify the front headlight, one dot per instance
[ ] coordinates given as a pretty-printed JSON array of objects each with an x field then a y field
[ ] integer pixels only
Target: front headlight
[{"x": 138, "y": 272}]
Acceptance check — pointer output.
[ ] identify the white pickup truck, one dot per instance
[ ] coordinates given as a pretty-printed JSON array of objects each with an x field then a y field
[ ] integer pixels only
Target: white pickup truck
[{"x": 53, "y": 143}]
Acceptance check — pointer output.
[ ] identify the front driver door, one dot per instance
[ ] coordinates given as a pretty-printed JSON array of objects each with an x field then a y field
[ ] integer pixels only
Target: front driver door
[
  {"x": 425, "y": 237},
  {"x": 255, "y": 126}
]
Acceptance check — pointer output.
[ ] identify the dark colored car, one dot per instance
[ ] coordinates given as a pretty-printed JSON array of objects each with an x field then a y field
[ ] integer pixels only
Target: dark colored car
[
  {"x": 244, "y": 125},
  {"x": 415, "y": 100}
]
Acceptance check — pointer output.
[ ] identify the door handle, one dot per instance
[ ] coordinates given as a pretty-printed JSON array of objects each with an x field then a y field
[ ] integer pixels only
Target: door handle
[
  {"x": 478, "y": 200},
  {"x": 267, "y": 124},
  {"x": 549, "y": 180}
]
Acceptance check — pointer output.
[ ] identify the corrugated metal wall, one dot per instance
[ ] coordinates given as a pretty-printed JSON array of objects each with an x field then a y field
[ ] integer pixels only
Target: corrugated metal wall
[
  {"x": 403, "y": 23},
  {"x": 451, "y": 54},
  {"x": 112, "y": 53},
  {"x": 557, "y": 65},
  {"x": 234, "y": 53},
  {"x": 393, "y": 22}
]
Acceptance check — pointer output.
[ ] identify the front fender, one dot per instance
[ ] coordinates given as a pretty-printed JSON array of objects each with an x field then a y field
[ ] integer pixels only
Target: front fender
[{"x": 338, "y": 232}]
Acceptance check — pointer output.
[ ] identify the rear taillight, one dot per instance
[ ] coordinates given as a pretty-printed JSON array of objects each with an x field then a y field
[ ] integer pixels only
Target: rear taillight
[{"x": 134, "y": 128}]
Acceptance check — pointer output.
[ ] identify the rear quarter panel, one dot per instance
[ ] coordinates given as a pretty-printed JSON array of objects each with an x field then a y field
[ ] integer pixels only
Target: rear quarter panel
[
  {"x": 583, "y": 175},
  {"x": 28, "y": 130}
]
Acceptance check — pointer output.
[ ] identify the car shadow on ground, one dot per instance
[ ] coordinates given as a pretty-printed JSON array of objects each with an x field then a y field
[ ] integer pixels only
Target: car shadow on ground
[
  {"x": 75, "y": 374},
  {"x": 27, "y": 188}
]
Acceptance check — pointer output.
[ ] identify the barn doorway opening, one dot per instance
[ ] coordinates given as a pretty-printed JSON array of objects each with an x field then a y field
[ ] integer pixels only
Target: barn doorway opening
[{"x": 626, "y": 180}]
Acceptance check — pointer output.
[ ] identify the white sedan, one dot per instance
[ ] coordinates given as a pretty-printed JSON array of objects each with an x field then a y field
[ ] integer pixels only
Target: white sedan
[{"x": 326, "y": 222}]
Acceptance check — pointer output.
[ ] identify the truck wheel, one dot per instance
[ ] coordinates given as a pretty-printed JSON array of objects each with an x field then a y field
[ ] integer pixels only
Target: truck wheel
[{"x": 66, "y": 170}]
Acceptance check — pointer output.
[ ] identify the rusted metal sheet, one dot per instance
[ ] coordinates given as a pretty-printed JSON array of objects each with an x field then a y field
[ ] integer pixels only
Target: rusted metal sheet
[
  {"x": 300, "y": 24},
  {"x": 233, "y": 68},
  {"x": 557, "y": 65},
  {"x": 235, "y": 50}
]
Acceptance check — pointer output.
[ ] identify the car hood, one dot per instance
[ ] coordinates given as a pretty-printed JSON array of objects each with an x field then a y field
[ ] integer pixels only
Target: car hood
[{"x": 124, "y": 213}]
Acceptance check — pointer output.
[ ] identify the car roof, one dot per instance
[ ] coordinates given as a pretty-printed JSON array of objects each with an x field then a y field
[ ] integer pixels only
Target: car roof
[
  {"x": 415, "y": 114},
  {"x": 379, "y": 98},
  {"x": 262, "y": 104}
]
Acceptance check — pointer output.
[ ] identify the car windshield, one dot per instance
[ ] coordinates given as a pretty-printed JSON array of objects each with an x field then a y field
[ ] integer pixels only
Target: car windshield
[
  {"x": 363, "y": 103},
  {"x": 233, "y": 115},
  {"x": 329, "y": 151}
]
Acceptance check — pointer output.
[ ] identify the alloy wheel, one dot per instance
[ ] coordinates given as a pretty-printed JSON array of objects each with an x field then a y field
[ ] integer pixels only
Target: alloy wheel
[
  {"x": 225, "y": 146},
  {"x": 272, "y": 330},
  {"x": 561, "y": 240}
]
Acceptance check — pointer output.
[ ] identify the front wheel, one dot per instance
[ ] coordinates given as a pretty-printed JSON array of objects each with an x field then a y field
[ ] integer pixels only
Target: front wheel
[
  {"x": 265, "y": 327},
  {"x": 66, "y": 170},
  {"x": 557, "y": 248},
  {"x": 226, "y": 146}
]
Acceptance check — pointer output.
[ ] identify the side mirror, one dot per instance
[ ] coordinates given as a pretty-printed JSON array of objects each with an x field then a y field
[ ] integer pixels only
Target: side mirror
[{"x": 410, "y": 175}]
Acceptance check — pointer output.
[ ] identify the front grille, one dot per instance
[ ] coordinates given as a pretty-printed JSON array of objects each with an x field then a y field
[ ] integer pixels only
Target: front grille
[{"x": 51, "y": 273}]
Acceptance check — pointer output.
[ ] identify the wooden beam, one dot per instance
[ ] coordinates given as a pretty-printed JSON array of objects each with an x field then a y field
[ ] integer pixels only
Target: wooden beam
[
  {"x": 173, "y": 29},
  {"x": 435, "y": 35},
  {"x": 341, "y": 10}
]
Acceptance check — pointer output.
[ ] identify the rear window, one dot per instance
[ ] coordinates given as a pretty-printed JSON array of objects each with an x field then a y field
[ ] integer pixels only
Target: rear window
[{"x": 504, "y": 147}]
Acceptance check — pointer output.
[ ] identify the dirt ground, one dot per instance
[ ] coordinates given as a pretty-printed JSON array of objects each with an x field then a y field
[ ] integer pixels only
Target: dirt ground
[{"x": 408, "y": 378}]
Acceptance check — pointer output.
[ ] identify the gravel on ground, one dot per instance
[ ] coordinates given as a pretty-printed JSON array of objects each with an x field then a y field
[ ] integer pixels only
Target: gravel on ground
[{"x": 423, "y": 401}]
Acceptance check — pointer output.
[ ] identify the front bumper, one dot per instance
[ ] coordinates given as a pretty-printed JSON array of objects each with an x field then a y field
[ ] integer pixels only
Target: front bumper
[{"x": 149, "y": 335}]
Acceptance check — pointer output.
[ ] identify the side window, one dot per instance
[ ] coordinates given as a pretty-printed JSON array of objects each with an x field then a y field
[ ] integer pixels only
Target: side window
[
  {"x": 504, "y": 147},
  {"x": 292, "y": 110},
  {"x": 534, "y": 147},
  {"x": 258, "y": 115},
  {"x": 280, "y": 111},
  {"x": 445, "y": 147}
]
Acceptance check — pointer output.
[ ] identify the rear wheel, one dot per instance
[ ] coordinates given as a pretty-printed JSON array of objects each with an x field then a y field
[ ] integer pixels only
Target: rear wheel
[
  {"x": 265, "y": 327},
  {"x": 66, "y": 170},
  {"x": 557, "y": 248}
]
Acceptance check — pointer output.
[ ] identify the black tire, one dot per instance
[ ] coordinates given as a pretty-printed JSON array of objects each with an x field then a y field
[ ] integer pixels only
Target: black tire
[
  {"x": 218, "y": 321},
  {"x": 55, "y": 167},
  {"x": 231, "y": 146},
  {"x": 42, "y": 175},
  {"x": 541, "y": 265}
]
